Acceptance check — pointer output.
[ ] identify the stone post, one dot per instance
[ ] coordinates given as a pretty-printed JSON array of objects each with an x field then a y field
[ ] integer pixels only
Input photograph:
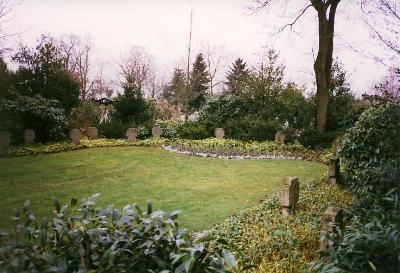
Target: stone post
[
  {"x": 156, "y": 132},
  {"x": 29, "y": 136},
  {"x": 5, "y": 140},
  {"x": 289, "y": 195},
  {"x": 332, "y": 218},
  {"x": 280, "y": 137},
  {"x": 332, "y": 172},
  {"x": 131, "y": 134},
  {"x": 219, "y": 133},
  {"x": 75, "y": 136},
  {"x": 92, "y": 132}
]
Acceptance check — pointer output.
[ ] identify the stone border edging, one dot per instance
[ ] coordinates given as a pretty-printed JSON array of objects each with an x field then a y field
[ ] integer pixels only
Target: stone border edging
[{"x": 228, "y": 157}]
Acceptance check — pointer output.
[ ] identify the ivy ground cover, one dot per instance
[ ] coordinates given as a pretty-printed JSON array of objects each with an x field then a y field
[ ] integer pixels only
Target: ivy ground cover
[{"x": 206, "y": 190}]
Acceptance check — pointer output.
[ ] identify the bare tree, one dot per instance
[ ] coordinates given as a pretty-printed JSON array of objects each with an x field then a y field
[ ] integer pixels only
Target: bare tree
[
  {"x": 136, "y": 68},
  {"x": 155, "y": 86},
  {"x": 214, "y": 57},
  {"x": 389, "y": 87},
  {"x": 326, "y": 13},
  {"x": 5, "y": 9},
  {"x": 383, "y": 20},
  {"x": 102, "y": 87},
  {"x": 78, "y": 62}
]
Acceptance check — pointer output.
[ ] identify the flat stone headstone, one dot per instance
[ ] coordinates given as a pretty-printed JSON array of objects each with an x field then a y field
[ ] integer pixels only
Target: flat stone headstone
[
  {"x": 75, "y": 136},
  {"x": 156, "y": 132},
  {"x": 280, "y": 137},
  {"x": 131, "y": 134},
  {"x": 29, "y": 136},
  {"x": 219, "y": 133},
  {"x": 92, "y": 132},
  {"x": 290, "y": 195},
  {"x": 5, "y": 140}
]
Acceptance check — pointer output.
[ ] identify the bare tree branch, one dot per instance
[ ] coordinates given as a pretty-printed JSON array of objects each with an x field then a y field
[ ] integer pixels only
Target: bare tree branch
[{"x": 290, "y": 25}]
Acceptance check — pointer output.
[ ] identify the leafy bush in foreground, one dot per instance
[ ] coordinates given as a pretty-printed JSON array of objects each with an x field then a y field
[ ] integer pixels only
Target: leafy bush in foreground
[
  {"x": 371, "y": 242},
  {"x": 88, "y": 239},
  {"x": 371, "y": 151},
  {"x": 265, "y": 241}
]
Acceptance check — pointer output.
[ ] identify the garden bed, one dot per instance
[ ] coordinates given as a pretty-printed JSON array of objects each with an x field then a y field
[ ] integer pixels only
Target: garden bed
[
  {"x": 239, "y": 150},
  {"x": 65, "y": 146},
  {"x": 263, "y": 240}
]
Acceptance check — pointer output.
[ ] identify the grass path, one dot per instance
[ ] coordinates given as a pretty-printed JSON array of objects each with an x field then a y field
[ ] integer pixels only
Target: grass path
[{"x": 206, "y": 190}]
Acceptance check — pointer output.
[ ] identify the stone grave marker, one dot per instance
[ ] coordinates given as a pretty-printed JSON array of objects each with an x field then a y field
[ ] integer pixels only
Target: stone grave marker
[
  {"x": 219, "y": 133},
  {"x": 290, "y": 195},
  {"x": 75, "y": 136},
  {"x": 92, "y": 132},
  {"x": 156, "y": 132},
  {"x": 331, "y": 218},
  {"x": 131, "y": 134},
  {"x": 280, "y": 137},
  {"x": 5, "y": 140},
  {"x": 29, "y": 136}
]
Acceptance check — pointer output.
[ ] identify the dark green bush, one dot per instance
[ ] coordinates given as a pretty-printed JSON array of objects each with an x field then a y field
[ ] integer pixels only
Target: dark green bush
[
  {"x": 113, "y": 129},
  {"x": 193, "y": 130},
  {"x": 250, "y": 128},
  {"x": 143, "y": 132},
  {"x": 370, "y": 166},
  {"x": 88, "y": 239},
  {"x": 217, "y": 112},
  {"x": 45, "y": 116},
  {"x": 371, "y": 242},
  {"x": 313, "y": 139},
  {"x": 86, "y": 114},
  {"x": 291, "y": 134},
  {"x": 371, "y": 150}
]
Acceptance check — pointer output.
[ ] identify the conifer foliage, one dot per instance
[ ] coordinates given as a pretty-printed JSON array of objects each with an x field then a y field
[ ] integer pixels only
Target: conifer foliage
[
  {"x": 237, "y": 76},
  {"x": 199, "y": 83}
]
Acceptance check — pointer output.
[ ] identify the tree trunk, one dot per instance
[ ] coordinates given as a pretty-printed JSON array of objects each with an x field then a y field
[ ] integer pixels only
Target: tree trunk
[{"x": 323, "y": 62}]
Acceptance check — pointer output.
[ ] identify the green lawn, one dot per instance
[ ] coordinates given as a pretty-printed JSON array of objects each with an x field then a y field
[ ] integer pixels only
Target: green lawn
[{"x": 206, "y": 190}]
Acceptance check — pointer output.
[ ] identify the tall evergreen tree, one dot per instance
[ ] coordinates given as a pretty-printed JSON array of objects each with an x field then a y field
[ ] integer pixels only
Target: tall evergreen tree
[
  {"x": 175, "y": 91},
  {"x": 199, "y": 83},
  {"x": 237, "y": 75},
  {"x": 5, "y": 79}
]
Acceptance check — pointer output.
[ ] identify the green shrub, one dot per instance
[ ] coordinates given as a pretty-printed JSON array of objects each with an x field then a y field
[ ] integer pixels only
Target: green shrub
[
  {"x": 113, "y": 129},
  {"x": 143, "y": 132},
  {"x": 86, "y": 114},
  {"x": 371, "y": 242},
  {"x": 88, "y": 239},
  {"x": 263, "y": 240},
  {"x": 45, "y": 116},
  {"x": 169, "y": 128},
  {"x": 193, "y": 130},
  {"x": 371, "y": 150},
  {"x": 313, "y": 139},
  {"x": 291, "y": 135},
  {"x": 252, "y": 128}
]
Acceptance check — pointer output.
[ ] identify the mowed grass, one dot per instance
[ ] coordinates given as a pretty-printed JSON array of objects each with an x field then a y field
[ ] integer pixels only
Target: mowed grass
[{"x": 206, "y": 190}]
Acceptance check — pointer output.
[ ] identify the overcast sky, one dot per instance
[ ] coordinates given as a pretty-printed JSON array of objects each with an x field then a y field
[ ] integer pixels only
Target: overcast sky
[{"x": 161, "y": 26}]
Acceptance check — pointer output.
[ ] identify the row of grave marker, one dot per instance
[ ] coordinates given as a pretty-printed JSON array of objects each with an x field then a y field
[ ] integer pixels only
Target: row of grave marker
[
  {"x": 332, "y": 218},
  {"x": 92, "y": 132}
]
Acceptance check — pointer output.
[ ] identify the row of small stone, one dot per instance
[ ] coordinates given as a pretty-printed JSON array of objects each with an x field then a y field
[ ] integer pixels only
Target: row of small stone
[{"x": 233, "y": 157}]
